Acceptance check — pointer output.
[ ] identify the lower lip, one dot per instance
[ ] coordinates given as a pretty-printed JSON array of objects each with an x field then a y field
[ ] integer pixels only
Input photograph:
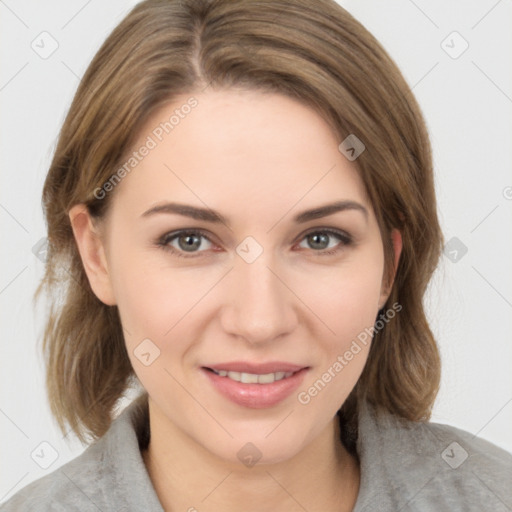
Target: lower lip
[{"x": 256, "y": 396}]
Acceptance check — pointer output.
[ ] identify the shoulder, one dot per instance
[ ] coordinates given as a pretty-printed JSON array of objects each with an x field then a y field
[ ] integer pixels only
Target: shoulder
[
  {"x": 72, "y": 486},
  {"x": 433, "y": 466},
  {"x": 461, "y": 469},
  {"x": 109, "y": 475}
]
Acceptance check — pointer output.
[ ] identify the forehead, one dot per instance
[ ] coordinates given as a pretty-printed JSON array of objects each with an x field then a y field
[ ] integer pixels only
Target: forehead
[{"x": 242, "y": 149}]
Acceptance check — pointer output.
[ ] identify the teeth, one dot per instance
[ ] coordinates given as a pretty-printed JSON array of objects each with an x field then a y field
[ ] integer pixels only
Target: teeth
[
  {"x": 269, "y": 378},
  {"x": 254, "y": 378},
  {"x": 247, "y": 378}
]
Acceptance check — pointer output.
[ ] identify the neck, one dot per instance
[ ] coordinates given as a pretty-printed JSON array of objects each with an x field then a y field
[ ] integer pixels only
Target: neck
[{"x": 186, "y": 477}]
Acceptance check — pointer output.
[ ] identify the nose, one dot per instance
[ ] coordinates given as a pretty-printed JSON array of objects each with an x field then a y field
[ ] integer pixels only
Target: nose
[{"x": 259, "y": 306}]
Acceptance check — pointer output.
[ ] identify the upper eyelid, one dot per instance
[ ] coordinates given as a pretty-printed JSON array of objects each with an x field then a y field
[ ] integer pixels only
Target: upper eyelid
[{"x": 175, "y": 234}]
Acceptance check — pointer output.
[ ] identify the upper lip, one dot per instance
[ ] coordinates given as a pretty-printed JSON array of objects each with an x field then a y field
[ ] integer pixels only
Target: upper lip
[{"x": 256, "y": 368}]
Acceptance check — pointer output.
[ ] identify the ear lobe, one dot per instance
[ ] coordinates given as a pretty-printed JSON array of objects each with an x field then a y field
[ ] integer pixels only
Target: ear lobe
[
  {"x": 396, "y": 237},
  {"x": 92, "y": 253}
]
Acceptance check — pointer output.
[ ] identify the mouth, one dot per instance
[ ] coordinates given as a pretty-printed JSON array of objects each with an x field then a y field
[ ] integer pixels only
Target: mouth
[{"x": 255, "y": 386}]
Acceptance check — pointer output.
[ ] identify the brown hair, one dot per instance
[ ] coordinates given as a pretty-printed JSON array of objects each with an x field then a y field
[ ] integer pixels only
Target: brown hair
[{"x": 314, "y": 52}]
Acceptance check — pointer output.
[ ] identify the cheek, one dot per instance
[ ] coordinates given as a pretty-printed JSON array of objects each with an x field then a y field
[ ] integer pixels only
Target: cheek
[
  {"x": 153, "y": 302},
  {"x": 158, "y": 302},
  {"x": 347, "y": 304},
  {"x": 346, "y": 297}
]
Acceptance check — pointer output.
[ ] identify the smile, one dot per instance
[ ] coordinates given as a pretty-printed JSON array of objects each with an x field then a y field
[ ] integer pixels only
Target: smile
[
  {"x": 263, "y": 386},
  {"x": 253, "y": 378}
]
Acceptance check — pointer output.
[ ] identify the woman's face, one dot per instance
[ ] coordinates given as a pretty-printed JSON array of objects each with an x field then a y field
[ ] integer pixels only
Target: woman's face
[{"x": 269, "y": 289}]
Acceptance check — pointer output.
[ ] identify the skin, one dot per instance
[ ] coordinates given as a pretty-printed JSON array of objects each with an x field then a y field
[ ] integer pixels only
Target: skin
[{"x": 258, "y": 159}]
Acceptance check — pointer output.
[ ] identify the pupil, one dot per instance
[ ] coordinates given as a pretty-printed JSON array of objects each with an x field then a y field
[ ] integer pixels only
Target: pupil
[
  {"x": 322, "y": 239},
  {"x": 192, "y": 241}
]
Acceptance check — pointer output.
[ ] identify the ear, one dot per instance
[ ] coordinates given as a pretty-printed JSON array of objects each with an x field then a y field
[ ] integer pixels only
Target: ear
[
  {"x": 396, "y": 237},
  {"x": 92, "y": 253}
]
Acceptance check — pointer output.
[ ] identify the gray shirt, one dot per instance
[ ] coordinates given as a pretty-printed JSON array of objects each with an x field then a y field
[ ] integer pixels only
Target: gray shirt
[{"x": 405, "y": 466}]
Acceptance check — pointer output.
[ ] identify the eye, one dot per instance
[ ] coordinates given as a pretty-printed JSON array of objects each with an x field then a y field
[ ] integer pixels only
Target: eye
[
  {"x": 185, "y": 243},
  {"x": 322, "y": 240},
  {"x": 191, "y": 243}
]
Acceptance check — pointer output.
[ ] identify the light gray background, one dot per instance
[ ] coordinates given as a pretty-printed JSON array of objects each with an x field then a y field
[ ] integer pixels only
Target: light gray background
[{"x": 467, "y": 102}]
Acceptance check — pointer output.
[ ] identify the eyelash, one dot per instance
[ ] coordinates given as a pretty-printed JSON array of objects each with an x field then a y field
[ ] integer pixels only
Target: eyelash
[{"x": 163, "y": 242}]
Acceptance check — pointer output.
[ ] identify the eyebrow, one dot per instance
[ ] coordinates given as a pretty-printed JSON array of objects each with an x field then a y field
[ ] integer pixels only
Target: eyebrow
[{"x": 209, "y": 215}]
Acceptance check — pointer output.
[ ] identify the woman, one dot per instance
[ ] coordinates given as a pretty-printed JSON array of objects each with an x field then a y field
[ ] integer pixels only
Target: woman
[{"x": 242, "y": 218}]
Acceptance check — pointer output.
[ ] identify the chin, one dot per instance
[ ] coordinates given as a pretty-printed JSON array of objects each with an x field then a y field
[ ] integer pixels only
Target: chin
[{"x": 256, "y": 449}]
